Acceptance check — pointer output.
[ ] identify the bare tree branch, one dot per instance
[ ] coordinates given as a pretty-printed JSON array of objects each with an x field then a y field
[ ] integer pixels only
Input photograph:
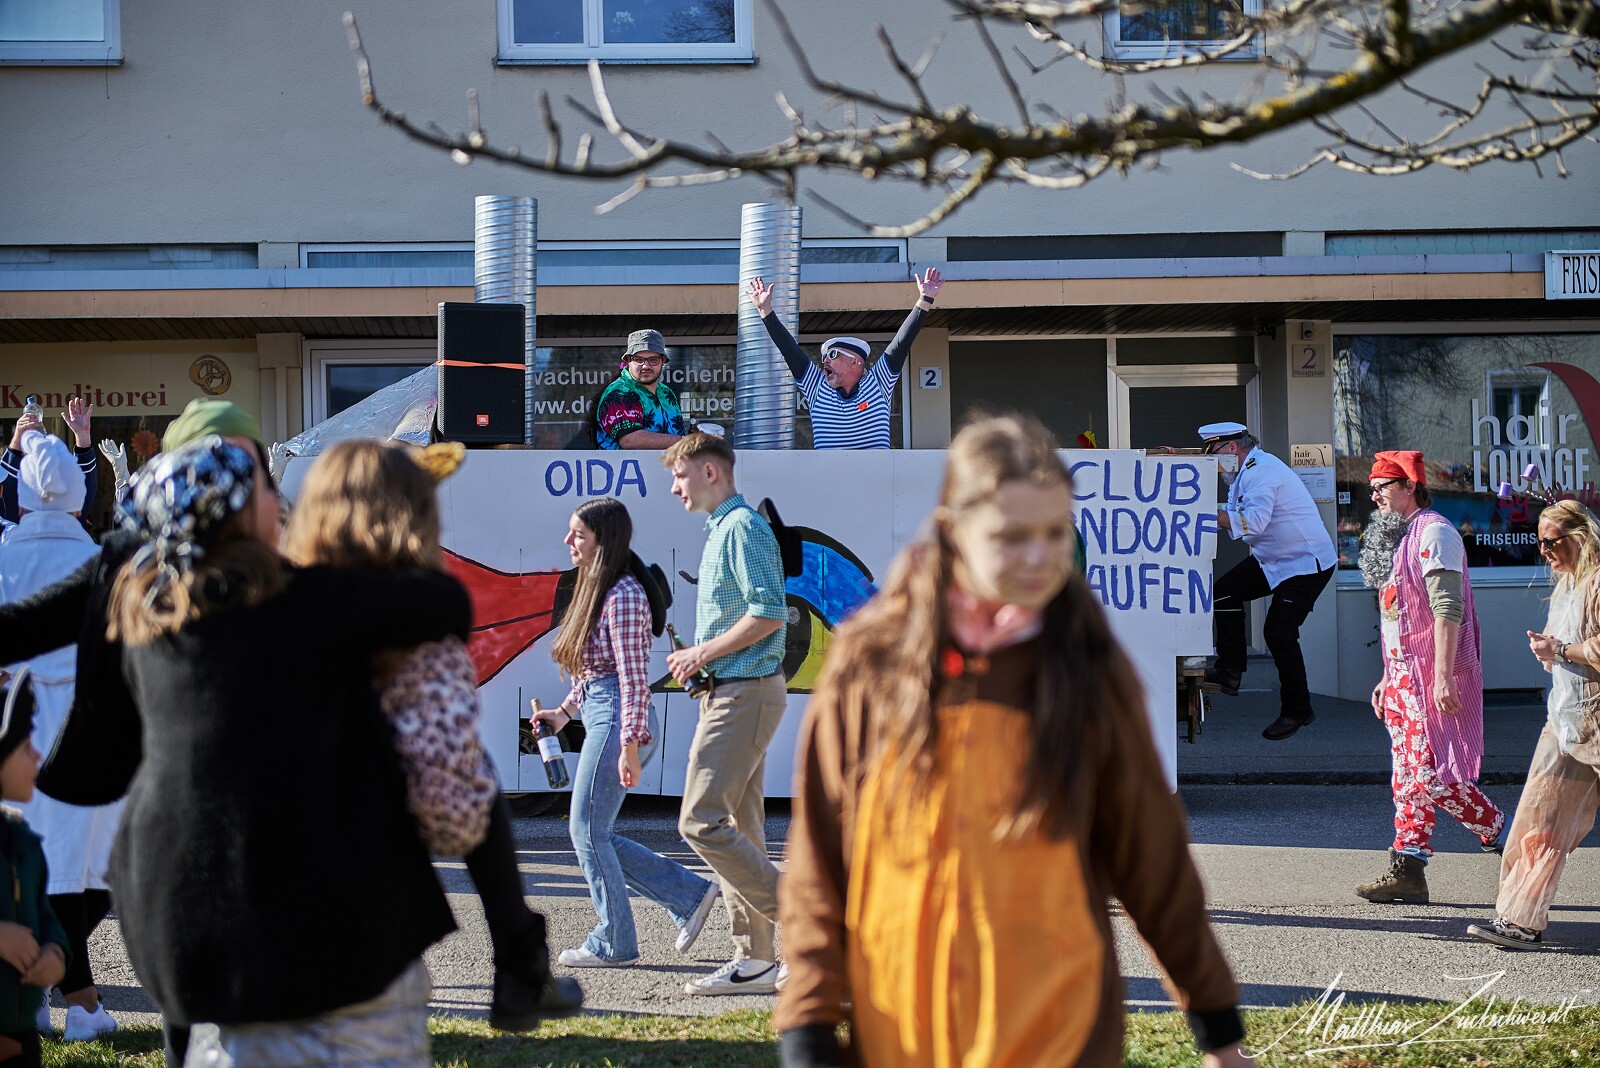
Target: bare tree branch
[{"x": 1545, "y": 99}]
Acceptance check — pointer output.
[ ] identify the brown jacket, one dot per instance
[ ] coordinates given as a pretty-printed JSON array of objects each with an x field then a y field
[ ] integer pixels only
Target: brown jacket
[{"x": 1137, "y": 851}]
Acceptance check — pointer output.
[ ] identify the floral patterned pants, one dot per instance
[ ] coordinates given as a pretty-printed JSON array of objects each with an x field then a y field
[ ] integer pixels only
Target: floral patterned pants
[{"x": 1415, "y": 778}]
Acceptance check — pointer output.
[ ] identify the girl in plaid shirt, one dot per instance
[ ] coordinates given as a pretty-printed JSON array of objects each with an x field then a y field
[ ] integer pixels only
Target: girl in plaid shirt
[{"x": 604, "y": 647}]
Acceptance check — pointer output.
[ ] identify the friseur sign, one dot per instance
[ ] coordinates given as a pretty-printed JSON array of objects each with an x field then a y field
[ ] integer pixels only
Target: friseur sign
[{"x": 1572, "y": 275}]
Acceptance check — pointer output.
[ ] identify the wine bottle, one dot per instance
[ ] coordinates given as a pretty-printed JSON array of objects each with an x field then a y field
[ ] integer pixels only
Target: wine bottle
[
  {"x": 555, "y": 761},
  {"x": 700, "y": 684}
]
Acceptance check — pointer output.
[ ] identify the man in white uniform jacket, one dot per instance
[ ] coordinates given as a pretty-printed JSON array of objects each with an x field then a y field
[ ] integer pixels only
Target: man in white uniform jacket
[
  {"x": 1291, "y": 559},
  {"x": 48, "y": 544}
]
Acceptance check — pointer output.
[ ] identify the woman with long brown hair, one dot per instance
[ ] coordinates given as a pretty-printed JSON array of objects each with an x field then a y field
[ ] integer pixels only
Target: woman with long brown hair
[
  {"x": 604, "y": 647},
  {"x": 976, "y": 777},
  {"x": 372, "y": 506},
  {"x": 1557, "y": 807}
]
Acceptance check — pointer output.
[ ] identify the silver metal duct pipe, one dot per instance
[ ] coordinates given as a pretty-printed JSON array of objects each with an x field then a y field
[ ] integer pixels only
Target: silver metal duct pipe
[
  {"x": 764, "y": 391},
  {"x": 505, "y": 254}
]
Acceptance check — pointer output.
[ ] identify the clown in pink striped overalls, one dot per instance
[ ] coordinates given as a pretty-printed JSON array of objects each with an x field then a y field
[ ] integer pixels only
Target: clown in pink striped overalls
[{"x": 1431, "y": 694}]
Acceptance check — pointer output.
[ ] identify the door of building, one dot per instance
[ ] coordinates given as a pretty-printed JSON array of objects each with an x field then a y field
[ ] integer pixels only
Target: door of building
[{"x": 1155, "y": 406}]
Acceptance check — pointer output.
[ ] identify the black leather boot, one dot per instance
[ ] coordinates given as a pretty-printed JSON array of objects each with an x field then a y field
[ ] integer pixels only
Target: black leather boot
[{"x": 526, "y": 993}]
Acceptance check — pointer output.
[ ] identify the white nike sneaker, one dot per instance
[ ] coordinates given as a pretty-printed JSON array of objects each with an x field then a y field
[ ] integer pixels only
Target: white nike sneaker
[
  {"x": 737, "y": 977},
  {"x": 690, "y": 931},
  {"x": 42, "y": 1023},
  {"x": 86, "y": 1026}
]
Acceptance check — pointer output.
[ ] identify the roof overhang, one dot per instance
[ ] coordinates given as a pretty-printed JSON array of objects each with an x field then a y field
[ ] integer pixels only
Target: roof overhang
[{"x": 979, "y": 299}]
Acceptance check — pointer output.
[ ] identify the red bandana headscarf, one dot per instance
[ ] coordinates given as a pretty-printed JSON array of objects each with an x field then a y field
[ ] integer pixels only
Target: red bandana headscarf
[{"x": 1406, "y": 465}]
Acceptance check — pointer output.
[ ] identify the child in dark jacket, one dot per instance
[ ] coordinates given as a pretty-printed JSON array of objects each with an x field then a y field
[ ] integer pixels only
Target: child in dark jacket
[{"x": 33, "y": 945}]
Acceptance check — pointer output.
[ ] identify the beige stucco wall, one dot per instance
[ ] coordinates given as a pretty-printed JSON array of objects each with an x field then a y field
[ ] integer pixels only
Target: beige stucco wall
[{"x": 241, "y": 123}]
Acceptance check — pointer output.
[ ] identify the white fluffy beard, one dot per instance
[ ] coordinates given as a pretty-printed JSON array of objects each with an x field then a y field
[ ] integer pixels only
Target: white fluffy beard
[{"x": 1378, "y": 542}]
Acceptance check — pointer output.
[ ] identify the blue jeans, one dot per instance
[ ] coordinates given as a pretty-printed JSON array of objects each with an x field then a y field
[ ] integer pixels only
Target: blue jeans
[{"x": 612, "y": 864}]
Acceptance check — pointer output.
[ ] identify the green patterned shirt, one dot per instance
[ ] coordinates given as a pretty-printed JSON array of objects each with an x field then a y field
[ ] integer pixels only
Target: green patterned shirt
[{"x": 741, "y": 574}]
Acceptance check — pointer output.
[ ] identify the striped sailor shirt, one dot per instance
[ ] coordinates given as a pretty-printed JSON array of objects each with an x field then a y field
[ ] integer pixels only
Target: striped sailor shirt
[
  {"x": 860, "y": 420},
  {"x": 11, "y": 463}
]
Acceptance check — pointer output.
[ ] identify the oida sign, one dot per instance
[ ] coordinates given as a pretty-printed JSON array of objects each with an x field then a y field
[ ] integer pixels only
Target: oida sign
[{"x": 1148, "y": 523}]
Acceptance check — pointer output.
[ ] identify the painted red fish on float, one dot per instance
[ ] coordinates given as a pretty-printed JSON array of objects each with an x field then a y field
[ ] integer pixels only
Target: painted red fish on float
[{"x": 509, "y": 611}]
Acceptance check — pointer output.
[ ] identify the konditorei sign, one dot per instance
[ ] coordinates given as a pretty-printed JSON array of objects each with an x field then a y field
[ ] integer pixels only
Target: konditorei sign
[
  {"x": 1572, "y": 275},
  {"x": 128, "y": 379}
]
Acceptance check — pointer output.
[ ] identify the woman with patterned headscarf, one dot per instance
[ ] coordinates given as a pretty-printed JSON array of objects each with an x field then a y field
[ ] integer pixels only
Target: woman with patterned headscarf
[{"x": 267, "y": 874}]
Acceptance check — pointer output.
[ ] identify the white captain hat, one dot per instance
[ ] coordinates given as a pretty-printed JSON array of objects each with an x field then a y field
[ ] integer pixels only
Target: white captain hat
[{"x": 1217, "y": 433}]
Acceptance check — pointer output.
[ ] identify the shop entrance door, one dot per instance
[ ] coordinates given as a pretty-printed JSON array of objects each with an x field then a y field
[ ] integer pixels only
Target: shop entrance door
[{"x": 1166, "y": 405}]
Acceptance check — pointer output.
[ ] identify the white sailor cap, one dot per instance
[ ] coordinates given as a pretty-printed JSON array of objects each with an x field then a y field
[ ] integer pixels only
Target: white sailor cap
[{"x": 1216, "y": 433}]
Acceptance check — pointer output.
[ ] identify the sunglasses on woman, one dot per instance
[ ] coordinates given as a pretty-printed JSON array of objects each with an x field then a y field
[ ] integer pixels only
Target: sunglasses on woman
[{"x": 1546, "y": 544}]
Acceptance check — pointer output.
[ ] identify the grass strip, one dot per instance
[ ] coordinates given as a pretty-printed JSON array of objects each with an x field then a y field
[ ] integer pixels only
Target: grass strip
[{"x": 1373, "y": 1034}]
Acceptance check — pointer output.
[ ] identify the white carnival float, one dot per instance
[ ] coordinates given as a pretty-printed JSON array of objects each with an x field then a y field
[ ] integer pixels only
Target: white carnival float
[{"x": 1148, "y": 524}]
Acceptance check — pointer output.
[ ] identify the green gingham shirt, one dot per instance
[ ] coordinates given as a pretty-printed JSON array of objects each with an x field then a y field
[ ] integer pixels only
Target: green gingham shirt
[{"x": 741, "y": 574}]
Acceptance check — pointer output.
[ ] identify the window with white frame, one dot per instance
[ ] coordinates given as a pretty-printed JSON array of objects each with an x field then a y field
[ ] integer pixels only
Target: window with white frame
[
  {"x": 343, "y": 372},
  {"x": 1169, "y": 29},
  {"x": 1524, "y": 397},
  {"x": 48, "y": 32},
  {"x": 662, "y": 31}
]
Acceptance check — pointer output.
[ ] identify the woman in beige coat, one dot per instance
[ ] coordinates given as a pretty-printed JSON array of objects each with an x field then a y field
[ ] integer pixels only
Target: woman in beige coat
[{"x": 1558, "y": 804}]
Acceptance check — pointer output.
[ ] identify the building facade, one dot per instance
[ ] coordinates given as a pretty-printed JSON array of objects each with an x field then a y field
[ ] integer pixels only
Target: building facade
[{"x": 198, "y": 204}]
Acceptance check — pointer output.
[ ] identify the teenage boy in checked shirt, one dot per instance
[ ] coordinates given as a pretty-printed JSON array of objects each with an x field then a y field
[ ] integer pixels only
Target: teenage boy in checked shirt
[{"x": 740, "y": 621}]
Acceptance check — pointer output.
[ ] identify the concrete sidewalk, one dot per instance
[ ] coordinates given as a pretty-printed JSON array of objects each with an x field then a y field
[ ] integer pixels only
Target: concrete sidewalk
[{"x": 1346, "y": 744}]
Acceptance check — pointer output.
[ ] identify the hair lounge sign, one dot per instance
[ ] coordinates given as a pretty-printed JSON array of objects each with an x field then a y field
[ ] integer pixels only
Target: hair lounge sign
[{"x": 1538, "y": 440}]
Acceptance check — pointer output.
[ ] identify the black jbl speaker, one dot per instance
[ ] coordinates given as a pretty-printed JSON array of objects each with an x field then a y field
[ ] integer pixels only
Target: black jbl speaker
[{"x": 481, "y": 373}]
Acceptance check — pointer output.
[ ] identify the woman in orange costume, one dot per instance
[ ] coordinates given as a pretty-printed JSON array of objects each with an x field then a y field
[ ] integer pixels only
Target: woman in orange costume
[{"x": 976, "y": 778}]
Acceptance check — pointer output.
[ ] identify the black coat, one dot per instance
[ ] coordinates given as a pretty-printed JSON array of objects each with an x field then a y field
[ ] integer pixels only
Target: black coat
[
  {"x": 266, "y": 867},
  {"x": 99, "y": 747}
]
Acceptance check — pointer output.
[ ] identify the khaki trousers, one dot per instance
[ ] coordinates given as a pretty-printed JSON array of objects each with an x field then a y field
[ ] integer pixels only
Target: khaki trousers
[
  {"x": 1555, "y": 813},
  {"x": 724, "y": 809}
]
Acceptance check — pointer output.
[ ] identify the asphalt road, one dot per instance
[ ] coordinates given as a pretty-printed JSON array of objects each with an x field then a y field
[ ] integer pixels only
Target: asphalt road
[{"x": 1279, "y": 863}]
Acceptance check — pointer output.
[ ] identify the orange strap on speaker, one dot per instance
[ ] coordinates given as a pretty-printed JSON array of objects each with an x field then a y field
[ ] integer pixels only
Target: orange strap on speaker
[{"x": 471, "y": 363}]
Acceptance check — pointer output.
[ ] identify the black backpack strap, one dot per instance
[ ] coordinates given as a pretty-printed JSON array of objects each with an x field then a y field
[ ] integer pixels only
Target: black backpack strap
[
  {"x": 791, "y": 546},
  {"x": 656, "y": 588}
]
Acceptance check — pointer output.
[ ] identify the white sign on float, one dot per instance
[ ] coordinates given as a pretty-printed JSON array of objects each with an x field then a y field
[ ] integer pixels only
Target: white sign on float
[
  {"x": 1149, "y": 526},
  {"x": 1148, "y": 523}
]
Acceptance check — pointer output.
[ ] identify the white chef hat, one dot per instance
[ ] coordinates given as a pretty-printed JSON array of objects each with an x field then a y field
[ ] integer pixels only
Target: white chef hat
[{"x": 49, "y": 478}]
